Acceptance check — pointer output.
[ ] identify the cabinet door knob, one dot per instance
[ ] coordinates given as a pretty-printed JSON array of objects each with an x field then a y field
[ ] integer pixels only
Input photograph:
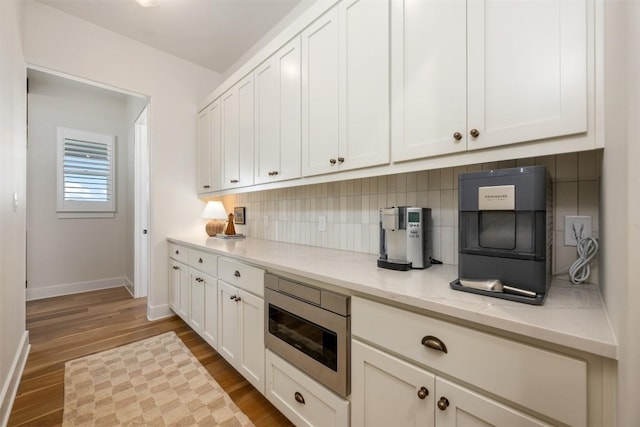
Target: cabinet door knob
[
  {"x": 423, "y": 392},
  {"x": 177, "y": 252},
  {"x": 340, "y": 159},
  {"x": 443, "y": 403},
  {"x": 474, "y": 133},
  {"x": 457, "y": 136},
  {"x": 232, "y": 297},
  {"x": 332, "y": 161},
  {"x": 236, "y": 273},
  {"x": 237, "y": 299},
  {"x": 200, "y": 260},
  {"x": 299, "y": 398},
  {"x": 434, "y": 343}
]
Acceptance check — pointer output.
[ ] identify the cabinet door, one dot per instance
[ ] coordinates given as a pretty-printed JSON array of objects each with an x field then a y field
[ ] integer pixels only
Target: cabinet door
[
  {"x": 267, "y": 147},
  {"x": 210, "y": 325},
  {"x": 364, "y": 83},
  {"x": 288, "y": 63},
  {"x": 196, "y": 303},
  {"x": 387, "y": 391},
  {"x": 238, "y": 134},
  {"x": 204, "y": 151},
  {"x": 228, "y": 328},
  {"x": 527, "y": 70},
  {"x": 178, "y": 276},
  {"x": 209, "y": 134},
  {"x": 215, "y": 151},
  {"x": 458, "y": 406},
  {"x": 320, "y": 94},
  {"x": 251, "y": 324},
  {"x": 428, "y": 66}
]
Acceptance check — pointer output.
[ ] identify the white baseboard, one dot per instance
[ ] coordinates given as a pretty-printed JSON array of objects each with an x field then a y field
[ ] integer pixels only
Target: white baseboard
[
  {"x": 35, "y": 293},
  {"x": 129, "y": 285},
  {"x": 159, "y": 311},
  {"x": 10, "y": 387}
]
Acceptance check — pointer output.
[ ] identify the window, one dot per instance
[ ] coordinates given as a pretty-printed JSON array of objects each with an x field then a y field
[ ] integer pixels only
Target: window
[{"x": 85, "y": 173}]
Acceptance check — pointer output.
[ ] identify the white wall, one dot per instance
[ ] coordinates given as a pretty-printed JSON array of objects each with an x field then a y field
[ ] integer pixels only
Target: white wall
[
  {"x": 13, "y": 336},
  {"x": 60, "y": 42},
  {"x": 73, "y": 255},
  {"x": 620, "y": 212}
]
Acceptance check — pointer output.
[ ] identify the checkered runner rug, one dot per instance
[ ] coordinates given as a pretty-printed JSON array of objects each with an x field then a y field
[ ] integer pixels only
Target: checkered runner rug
[{"x": 153, "y": 382}]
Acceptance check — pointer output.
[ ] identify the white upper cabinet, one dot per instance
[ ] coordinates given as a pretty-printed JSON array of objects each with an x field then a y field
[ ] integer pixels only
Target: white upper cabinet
[
  {"x": 320, "y": 94},
  {"x": 477, "y": 74},
  {"x": 278, "y": 110},
  {"x": 527, "y": 70},
  {"x": 429, "y": 93},
  {"x": 237, "y": 117},
  {"x": 209, "y": 149},
  {"x": 345, "y": 88}
]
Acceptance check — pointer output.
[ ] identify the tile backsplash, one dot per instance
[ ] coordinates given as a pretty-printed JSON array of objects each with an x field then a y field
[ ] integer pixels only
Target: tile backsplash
[{"x": 351, "y": 207}]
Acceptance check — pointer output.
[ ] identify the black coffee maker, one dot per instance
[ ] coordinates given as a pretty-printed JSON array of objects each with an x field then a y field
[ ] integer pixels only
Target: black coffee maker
[{"x": 505, "y": 220}]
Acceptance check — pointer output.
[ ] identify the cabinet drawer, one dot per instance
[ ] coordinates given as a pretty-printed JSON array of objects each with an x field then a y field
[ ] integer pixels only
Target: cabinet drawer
[
  {"x": 302, "y": 400},
  {"x": 243, "y": 276},
  {"x": 544, "y": 381},
  {"x": 203, "y": 261},
  {"x": 179, "y": 253}
]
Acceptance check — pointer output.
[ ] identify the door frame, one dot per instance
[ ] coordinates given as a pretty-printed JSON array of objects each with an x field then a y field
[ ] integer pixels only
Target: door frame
[{"x": 141, "y": 202}]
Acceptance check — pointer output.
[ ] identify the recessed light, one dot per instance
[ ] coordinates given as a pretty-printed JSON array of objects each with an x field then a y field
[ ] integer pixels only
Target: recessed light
[{"x": 148, "y": 3}]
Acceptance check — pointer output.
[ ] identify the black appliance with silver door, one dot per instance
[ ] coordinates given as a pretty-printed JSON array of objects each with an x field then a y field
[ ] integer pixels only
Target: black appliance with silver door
[
  {"x": 505, "y": 226},
  {"x": 311, "y": 329}
]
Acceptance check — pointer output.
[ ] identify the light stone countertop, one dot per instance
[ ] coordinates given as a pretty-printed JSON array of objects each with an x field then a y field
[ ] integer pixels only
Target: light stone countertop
[{"x": 572, "y": 316}]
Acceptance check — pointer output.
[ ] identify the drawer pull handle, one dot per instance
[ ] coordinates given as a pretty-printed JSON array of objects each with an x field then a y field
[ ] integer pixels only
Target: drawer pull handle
[
  {"x": 443, "y": 403},
  {"x": 236, "y": 273},
  {"x": 175, "y": 267},
  {"x": 423, "y": 392},
  {"x": 234, "y": 181},
  {"x": 200, "y": 260},
  {"x": 299, "y": 398},
  {"x": 206, "y": 186},
  {"x": 434, "y": 343}
]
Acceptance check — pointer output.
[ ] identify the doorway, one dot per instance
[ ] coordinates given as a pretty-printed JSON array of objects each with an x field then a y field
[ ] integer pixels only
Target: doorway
[{"x": 77, "y": 252}]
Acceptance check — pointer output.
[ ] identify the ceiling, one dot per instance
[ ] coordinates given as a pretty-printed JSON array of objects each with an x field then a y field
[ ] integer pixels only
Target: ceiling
[{"x": 212, "y": 33}]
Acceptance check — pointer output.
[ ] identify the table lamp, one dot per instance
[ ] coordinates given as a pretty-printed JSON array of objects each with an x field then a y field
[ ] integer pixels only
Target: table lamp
[{"x": 214, "y": 211}]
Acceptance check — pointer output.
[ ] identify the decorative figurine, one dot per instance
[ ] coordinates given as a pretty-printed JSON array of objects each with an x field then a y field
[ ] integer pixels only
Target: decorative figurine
[{"x": 231, "y": 230}]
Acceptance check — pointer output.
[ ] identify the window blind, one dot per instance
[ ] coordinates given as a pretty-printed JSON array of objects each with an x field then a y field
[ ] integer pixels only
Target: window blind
[
  {"x": 86, "y": 174},
  {"x": 87, "y": 171}
]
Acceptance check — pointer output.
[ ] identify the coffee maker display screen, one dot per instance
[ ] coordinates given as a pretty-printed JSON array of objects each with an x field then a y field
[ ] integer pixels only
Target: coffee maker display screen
[{"x": 413, "y": 216}]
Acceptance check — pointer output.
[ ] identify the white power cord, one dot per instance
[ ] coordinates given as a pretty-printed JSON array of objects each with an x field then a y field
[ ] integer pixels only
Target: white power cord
[{"x": 587, "y": 248}]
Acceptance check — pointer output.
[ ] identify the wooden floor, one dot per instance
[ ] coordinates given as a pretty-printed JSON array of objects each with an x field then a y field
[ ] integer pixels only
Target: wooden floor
[{"x": 65, "y": 328}]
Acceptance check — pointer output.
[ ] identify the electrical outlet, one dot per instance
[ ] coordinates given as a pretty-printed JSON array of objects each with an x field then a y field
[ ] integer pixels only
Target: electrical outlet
[
  {"x": 266, "y": 221},
  {"x": 576, "y": 228},
  {"x": 322, "y": 223}
]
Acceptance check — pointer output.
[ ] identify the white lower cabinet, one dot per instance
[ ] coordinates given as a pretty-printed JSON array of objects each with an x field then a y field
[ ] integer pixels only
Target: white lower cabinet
[
  {"x": 389, "y": 391},
  {"x": 178, "y": 282},
  {"x": 425, "y": 370},
  {"x": 241, "y": 321},
  {"x": 301, "y": 399}
]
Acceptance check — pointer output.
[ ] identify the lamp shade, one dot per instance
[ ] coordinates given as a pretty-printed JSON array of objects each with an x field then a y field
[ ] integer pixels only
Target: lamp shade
[{"x": 214, "y": 210}]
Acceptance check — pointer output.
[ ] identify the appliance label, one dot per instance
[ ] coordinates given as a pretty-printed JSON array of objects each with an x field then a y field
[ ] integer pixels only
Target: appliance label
[{"x": 497, "y": 198}]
